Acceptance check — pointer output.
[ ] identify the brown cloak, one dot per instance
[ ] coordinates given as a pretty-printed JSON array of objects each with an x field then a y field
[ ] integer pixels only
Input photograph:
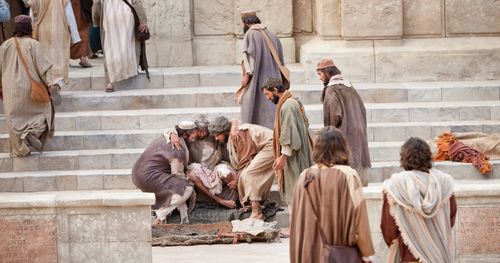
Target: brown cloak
[
  {"x": 337, "y": 195},
  {"x": 343, "y": 108}
]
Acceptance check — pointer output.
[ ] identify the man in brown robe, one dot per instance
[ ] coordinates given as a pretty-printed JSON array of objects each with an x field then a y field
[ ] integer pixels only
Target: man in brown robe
[
  {"x": 83, "y": 15},
  {"x": 292, "y": 141},
  {"x": 258, "y": 64},
  {"x": 251, "y": 153},
  {"x": 28, "y": 123},
  {"x": 160, "y": 170},
  {"x": 343, "y": 108},
  {"x": 328, "y": 204}
]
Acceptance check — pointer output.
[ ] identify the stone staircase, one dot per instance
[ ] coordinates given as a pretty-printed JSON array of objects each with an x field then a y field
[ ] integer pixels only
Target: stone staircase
[{"x": 100, "y": 135}]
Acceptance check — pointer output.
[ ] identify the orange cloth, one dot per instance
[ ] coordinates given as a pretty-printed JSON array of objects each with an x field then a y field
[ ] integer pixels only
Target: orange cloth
[{"x": 451, "y": 149}]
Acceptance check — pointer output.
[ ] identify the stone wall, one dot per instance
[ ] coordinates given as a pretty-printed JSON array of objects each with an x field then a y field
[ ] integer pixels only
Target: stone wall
[
  {"x": 76, "y": 227},
  {"x": 201, "y": 32}
]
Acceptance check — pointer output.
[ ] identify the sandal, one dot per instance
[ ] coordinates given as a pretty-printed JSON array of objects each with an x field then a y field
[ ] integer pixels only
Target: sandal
[
  {"x": 85, "y": 64},
  {"x": 109, "y": 88}
]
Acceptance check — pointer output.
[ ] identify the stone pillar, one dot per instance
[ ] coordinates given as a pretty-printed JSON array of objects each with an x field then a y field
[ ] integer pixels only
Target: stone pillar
[
  {"x": 374, "y": 19},
  {"x": 327, "y": 22},
  {"x": 171, "y": 31}
]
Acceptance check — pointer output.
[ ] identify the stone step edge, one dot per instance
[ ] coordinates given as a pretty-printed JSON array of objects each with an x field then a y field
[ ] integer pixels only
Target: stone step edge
[
  {"x": 127, "y": 171},
  {"x": 299, "y": 87},
  {"x": 93, "y": 198}
]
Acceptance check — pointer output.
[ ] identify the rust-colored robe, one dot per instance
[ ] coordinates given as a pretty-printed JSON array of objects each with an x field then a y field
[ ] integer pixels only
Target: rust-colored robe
[
  {"x": 337, "y": 195},
  {"x": 343, "y": 108},
  {"x": 83, "y": 17}
]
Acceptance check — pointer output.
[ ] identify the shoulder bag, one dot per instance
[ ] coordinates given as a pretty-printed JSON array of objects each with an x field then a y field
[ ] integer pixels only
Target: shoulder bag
[
  {"x": 285, "y": 73},
  {"x": 331, "y": 254},
  {"x": 39, "y": 91}
]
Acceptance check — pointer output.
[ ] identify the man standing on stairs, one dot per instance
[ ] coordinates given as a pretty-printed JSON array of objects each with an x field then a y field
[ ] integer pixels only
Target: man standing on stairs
[
  {"x": 160, "y": 170},
  {"x": 212, "y": 176},
  {"x": 28, "y": 123},
  {"x": 262, "y": 56},
  {"x": 292, "y": 142},
  {"x": 251, "y": 153},
  {"x": 343, "y": 108}
]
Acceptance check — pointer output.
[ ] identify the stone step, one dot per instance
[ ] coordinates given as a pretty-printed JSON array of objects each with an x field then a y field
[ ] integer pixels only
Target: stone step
[
  {"x": 112, "y": 140},
  {"x": 376, "y": 112},
  {"x": 172, "y": 77},
  {"x": 102, "y": 179},
  {"x": 309, "y": 94}
]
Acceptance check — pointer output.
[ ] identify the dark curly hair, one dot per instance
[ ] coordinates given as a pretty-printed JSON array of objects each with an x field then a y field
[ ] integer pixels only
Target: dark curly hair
[
  {"x": 416, "y": 155},
  {"x": 331, "y": 148}
]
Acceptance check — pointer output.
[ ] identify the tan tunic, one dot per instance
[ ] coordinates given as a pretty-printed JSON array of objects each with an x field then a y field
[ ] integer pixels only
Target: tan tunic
[
  {"x": 121, "y": 49},
  {"x": 337, "y": 195},
  {"x": 22, "y": 115},
  {"x": 251, "y": 153},
  {"x": 51, "y": 29}
]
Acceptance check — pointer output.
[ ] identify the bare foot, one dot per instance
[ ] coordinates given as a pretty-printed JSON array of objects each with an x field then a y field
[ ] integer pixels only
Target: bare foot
[
  {"x": 228, "y": 203},
  {"x": 109, "y": 88},
  {"x": 256, "y": 210}
]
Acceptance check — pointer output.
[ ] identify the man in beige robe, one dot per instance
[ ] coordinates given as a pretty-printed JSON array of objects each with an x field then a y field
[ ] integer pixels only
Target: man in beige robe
[
  {"x": 28, "y": 123},
  {"x": 121, "y": 49},
  {"x": 51, "y": 29},
  {"x": 251, "y": 153}
]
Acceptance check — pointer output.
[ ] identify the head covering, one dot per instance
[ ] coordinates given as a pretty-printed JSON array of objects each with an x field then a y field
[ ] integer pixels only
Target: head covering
[
  {"x": 272, "y": 83},
  {"x": 325, "y": 63},
  {"x": 248, "y": 13},
  {"x": 22, "y": 19},
  {"x": 219, "y": 125},
  {"x": 201, "y": 121},
  {"x": 186, "y": 125}
]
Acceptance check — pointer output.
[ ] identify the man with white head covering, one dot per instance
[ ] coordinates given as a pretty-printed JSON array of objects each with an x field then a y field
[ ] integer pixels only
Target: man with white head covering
[
  {"x": 160, "y": 170},
  {"x": 207, "y": 169}
]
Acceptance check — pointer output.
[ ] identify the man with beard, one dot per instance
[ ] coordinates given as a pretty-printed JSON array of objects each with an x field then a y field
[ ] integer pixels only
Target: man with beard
[
  {"x": 292, "y": 142},
  {"x": 208, "y": 170},
  {"x": 258, "y": 63},
  {"x": 160, "y": 170},
  {"x": 343, "y": 108},
  {"x": 251, "y": 153}
]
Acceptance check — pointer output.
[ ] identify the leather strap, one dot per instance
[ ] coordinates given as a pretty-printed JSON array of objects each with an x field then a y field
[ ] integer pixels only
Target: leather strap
[
  {"x": 23, "y": 61},
  {"x": 284, "y": 71}
]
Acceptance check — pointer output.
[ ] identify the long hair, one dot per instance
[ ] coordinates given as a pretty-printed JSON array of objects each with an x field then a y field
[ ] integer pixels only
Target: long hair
[
  {"x": 416, "y": 155},
  {"x": 331, "y": 148},
  {"x": 23, "y": 30}
]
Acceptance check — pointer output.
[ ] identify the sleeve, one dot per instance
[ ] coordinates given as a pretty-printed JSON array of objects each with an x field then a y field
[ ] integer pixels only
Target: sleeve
[
  {"x": 139, "y": 9},
  {"x": 290, "y": 135},
  {"x": 248, "y": 63},
  {"x": 245, "y": 147},
  {"x": 96, "y": 13},
  {"x": 73, "y": 28},
  {"x": 286, "y": 150},
  {"x": 332, "y": 109},
  {"x": 388, "y": 224},
  {"x": 41, "y": 62},
  {"x": 453, "y": 210}
]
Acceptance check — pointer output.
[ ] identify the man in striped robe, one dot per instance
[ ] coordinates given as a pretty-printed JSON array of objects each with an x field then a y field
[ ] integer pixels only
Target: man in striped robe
[{"x": 121, "y": 49}]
